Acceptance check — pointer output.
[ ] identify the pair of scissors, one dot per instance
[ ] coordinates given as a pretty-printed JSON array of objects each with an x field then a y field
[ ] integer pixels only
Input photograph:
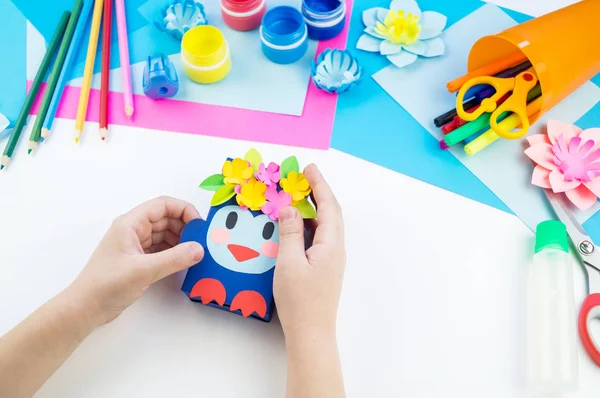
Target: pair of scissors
[
  {"x": 589, "y": 254},
  {"x": 516, "y": 103}
]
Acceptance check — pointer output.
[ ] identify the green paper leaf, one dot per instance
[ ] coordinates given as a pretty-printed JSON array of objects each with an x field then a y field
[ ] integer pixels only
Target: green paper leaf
[
  {"x": 222, "y": 195},
  {"x": 306, "y": 209},
  {"x": 290, "y": 164},
  {"x": 253, "y": 156},
  {"x": 213, "y": 183}
]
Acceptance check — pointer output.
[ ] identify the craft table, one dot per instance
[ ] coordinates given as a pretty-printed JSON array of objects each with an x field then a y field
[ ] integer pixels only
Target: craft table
[{"x": 432, "y": 304}]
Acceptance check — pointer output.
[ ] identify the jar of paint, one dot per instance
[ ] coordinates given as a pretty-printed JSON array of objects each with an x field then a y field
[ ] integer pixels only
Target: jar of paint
[
  {"x": 205, "y": 54},
  {"x": 284, "y": 35},
  {"x": 243, "y": 14},
  {"x": 325, "y": 19}
]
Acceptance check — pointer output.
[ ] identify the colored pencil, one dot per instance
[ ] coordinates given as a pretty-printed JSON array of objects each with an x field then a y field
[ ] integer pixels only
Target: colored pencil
[
  {"x": 105, "y": 84},
  {"x": 35, "y": 88},
  {"x": 487, "y": 70},
  {"x": 89, "y": 69},
  {"x": 36, "y": 132},
  {"x": 124, "y": 55},
  {"x": 65, "y": 74}
]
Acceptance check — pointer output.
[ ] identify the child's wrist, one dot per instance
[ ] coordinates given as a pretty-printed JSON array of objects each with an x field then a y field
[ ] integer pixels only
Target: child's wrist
[{"x": 309, "y": 336}]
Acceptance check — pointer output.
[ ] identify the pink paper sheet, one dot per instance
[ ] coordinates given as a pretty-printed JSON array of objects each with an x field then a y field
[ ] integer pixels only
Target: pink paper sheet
[{"x": 312, "y": 130}]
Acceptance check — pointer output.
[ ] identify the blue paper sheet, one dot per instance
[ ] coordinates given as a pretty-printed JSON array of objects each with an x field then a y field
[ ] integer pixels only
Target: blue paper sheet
[
  {"x": 12, "y": 66},
  {"x": 502, "y": 166},
  {"x": 254, "y": 83}
]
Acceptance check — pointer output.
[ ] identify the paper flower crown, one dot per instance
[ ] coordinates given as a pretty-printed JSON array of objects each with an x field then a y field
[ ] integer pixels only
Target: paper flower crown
[{"x": 260, "y": 187}]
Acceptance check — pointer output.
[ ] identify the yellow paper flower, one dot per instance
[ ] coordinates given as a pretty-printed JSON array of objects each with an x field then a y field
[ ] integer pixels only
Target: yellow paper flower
[
  {"x": 252, "y": 195},
  {"x": 399, "y": 28},
  {"x": 237, "y": 171},
  {"x": 296, "y": 185}
]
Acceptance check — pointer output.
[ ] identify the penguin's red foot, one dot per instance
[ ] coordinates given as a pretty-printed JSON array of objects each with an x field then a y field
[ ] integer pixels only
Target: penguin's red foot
[
  {"x": 249, "y": 302},
  {"x": 208, "y": 290}
]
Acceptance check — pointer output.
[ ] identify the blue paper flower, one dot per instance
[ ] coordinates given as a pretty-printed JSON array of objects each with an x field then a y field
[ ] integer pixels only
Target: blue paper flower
[
  {"x": 336, "y": 71},
  {"x": 403, "y": 32},
  {"x": 179, "y": 16},
  {"x": 4, "y": 130}
]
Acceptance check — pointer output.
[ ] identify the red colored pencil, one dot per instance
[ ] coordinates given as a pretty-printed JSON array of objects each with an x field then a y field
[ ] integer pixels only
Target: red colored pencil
[{"x": 104, "y": 87}]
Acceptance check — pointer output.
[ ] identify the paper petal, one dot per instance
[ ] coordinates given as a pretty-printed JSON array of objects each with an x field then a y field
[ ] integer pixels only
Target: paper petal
[
  {"x": 535, "y": 139},
  {"x": 542, "y": 154},
  {"x": 389, "y": 48},
  {"x": 373, "y": 15},
  {"x": 213, "y": 183},
  {"x": 402, "y": 59},
  {"x": 371, "y": 32},
  {"x": 306, "y": 209},
  {"x": 556, "y": 128},
  {"x": 6, "y": 133},
  {"x": 289, "y": 164},
  {"x": 418, "y": 47},
  {"x": 435, "y": 47},
  {"x": 4, "y": 123},
  {"x": 558, "y": 183},
  {"x": 222, "y": 195},
  {"x": 591, "y": 134},
  {"x": 432, "y": 24},
  {"x": 540, "y": 177},
  {"x": 581, "y": 197},
  {"x": 253, "y": 156},
  {"x": 594, "y": 186},
  {"x": 407, "y": 6},
  {"x": 368, "y": 43}
]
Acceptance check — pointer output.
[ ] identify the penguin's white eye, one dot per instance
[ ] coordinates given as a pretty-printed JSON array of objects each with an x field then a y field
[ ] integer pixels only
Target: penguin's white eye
[
  {"x": 268, "y": 230},
  {"x": 231, "y": 220}
]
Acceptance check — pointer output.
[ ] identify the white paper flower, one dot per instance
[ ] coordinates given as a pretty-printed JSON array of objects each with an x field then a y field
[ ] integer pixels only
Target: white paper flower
[{"x": 403, "y": 33}]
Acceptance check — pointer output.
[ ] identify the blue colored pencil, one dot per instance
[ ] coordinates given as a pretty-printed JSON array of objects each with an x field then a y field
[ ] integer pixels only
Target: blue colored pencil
[{"x": 65, "y": 74}]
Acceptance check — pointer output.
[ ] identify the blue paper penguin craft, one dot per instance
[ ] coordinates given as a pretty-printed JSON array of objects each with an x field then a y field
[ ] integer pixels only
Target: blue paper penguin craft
[{"x": 241, "y": 234}]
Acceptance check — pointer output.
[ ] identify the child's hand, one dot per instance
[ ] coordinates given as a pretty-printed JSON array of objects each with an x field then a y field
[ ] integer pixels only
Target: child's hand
[
  {"x": 308, "y": 284},
  {"x": 140, "y": 248}
]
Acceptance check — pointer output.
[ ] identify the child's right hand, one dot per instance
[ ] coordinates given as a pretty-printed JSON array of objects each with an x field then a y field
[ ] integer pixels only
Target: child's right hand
[{"x": 308, "y": 283}]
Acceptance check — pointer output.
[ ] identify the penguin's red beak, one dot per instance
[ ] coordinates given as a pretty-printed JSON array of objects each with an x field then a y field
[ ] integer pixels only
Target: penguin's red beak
[{"x": 242, "y": 253}]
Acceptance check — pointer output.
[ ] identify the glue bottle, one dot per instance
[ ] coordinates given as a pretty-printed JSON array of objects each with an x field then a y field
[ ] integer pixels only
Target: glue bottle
[{"x": 552, "y": 361}]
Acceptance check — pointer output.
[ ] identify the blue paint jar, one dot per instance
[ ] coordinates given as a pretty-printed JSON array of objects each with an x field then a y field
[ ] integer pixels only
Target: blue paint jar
[
  {"x": 325, "y": 19},
  {"x": 284, "y": 35}
]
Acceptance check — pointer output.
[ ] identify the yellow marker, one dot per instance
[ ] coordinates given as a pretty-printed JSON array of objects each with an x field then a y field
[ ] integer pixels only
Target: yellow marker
[
  {"x": 511, "y": 122},
  {"x": 89, "y": 68}
]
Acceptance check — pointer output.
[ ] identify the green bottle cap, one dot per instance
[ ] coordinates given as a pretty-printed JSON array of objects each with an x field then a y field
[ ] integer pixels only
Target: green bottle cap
[{"x": 551, "y": 235}]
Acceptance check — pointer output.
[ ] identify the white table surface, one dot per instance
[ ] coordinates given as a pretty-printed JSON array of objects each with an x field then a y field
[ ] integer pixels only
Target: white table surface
[{"x": 432, "y": 304}]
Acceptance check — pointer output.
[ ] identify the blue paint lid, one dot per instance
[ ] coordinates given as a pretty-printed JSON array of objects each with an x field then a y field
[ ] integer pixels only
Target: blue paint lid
[
  {"x": 323, "y": 13},
  {"x": 283, "y": 26}
]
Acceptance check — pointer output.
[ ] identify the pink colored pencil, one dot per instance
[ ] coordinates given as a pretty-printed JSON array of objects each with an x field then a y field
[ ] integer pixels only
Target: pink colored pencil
[{"x": 124, "y": 54}]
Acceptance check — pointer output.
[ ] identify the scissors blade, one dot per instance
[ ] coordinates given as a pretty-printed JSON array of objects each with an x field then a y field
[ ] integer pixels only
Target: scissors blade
[{"x": 586, "y": 249}]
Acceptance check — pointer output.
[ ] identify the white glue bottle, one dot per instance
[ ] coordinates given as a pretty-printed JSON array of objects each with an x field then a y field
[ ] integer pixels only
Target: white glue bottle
[{"x": 552, "y": 361}]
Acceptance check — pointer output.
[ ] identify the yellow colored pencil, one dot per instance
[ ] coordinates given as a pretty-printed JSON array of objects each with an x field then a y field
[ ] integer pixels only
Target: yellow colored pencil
[{"x": 89, "y": 69}]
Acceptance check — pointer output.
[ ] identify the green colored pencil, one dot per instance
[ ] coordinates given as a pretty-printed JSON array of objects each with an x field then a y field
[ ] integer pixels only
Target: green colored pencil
[
  {"x": 36, "y": 132},
  {"x": 35, "y": 87}
]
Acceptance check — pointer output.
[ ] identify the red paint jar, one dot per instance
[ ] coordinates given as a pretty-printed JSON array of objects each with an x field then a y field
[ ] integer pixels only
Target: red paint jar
[{"x": 243, "y": 14}]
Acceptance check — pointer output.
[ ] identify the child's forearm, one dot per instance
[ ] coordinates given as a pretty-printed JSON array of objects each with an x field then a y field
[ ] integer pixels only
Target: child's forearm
[
  {"x": 34, "y": 349},
  {"x": 314, "y": 368}
]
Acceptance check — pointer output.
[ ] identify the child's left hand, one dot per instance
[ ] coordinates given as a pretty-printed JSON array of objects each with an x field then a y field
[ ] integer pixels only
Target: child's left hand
[{"x": 140, "y": 248}]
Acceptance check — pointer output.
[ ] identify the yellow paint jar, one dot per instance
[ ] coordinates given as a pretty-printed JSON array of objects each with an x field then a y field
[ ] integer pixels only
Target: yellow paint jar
[{"x": 205, "y": 54}]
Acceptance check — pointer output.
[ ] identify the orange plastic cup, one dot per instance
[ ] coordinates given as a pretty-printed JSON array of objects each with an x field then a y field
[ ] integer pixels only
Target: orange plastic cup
[{"x": 563, "y": 47}]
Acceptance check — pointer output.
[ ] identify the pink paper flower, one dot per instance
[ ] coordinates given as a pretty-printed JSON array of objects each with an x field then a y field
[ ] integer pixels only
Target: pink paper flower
[
  {"x": 275, "y": 202},
  {"x": 567, "y": 160},
  {"x": 269, "y": 175}
]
